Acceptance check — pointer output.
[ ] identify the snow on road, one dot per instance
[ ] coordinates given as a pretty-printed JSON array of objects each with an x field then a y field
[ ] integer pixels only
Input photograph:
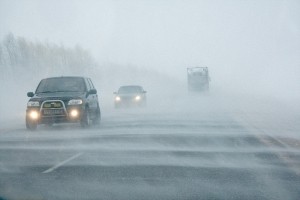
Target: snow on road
[{"x": 217, "y": 150}]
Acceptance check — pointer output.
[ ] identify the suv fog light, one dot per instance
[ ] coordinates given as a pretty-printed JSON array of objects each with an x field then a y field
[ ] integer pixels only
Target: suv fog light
[
  {"x": 74, "y": 113},
  {"x": 34, "y": 115}
]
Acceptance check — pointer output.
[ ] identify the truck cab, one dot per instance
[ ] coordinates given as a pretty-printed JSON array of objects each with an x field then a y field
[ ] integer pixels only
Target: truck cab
[{"x": 198, "y": 79}]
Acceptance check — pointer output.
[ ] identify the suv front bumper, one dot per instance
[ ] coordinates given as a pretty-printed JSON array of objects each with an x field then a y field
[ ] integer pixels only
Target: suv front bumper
[{"x": 50, "y": 116}]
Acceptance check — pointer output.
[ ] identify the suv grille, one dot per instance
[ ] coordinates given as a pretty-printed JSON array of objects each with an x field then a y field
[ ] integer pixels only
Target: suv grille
[
  {"x": 52, "y": 108},
  {"x": 54, "y": 104}
]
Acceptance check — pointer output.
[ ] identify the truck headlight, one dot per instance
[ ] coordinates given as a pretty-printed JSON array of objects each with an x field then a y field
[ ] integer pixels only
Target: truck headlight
[
  {"x": 75, "y": 102},
  {"x": 33, "y": 104}
]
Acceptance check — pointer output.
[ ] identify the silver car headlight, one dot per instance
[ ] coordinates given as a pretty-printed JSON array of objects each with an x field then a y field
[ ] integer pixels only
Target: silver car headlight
[
  {"x": 75, "y": 102},
  {"x": 118, "y": 98},
  {"x": 33, "y": 104},
  {"x": 138, "y": 98}
]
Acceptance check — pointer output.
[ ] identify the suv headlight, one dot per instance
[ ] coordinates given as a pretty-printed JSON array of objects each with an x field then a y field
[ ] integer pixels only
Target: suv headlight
[
  {"x": 33, "y": 104},
  {"x": 75, "y": 102}
]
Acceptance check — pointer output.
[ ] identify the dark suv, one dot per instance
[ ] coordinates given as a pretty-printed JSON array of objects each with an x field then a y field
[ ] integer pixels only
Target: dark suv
[{"x": 63, "y": 99}]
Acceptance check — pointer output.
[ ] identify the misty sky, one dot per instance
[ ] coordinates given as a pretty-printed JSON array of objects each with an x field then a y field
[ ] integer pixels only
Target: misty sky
[{"x": 254, "y": 41}]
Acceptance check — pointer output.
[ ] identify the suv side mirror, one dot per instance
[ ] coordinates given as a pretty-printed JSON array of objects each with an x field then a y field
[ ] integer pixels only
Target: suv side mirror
[
  {"x": 93, "y": 91},
  {"x": 30, "y": 94},
  {"x": 114, "y": 92}
]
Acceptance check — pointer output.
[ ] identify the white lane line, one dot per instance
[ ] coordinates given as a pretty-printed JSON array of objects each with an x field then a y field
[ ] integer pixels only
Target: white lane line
[{"x": 61, "y": 163}]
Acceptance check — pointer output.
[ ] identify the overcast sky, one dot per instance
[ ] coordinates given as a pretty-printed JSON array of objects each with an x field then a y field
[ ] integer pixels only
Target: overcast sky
[{"x": 233, "y": 37}]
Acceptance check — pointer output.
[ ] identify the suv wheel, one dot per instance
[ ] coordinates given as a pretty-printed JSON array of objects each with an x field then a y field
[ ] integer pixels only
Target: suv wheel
[
  {"x": 86, "y": 119},
  {"x": 31, "y": 125},
  {"x": 97, "y": 118}
]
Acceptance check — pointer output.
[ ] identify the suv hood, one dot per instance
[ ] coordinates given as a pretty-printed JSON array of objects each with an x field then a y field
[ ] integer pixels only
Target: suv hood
[{"x": 57, "y": 95}]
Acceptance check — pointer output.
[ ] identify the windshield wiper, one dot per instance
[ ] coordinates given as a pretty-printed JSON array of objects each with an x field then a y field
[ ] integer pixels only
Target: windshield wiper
[
  {"x": 58, "y": 91},
  {"x": 50, "y": 91}
]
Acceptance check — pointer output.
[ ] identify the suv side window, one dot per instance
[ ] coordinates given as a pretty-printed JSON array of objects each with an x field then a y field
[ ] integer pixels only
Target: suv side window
[
  {"x": 88, "y": 86},
  {"x": 91, "y": 83}
]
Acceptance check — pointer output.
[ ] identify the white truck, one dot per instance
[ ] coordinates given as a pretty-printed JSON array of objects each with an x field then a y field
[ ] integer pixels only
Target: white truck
[{"x": 198, "y": 79}]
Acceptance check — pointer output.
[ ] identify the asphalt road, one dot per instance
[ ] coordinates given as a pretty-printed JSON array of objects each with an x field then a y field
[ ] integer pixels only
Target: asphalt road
[{"x": 203, "y": 153}]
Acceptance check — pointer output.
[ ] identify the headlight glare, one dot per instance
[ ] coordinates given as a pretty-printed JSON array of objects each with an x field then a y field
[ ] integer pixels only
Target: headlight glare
[
  {"x": 137, "y": 98},
  {"x": 34, "y": 115},
  {"x": 118, "y": 98},
  {"x": 75, "y": 102},
  {"x": 33, "y": 104},
  {"x": 74, "y": 113}
]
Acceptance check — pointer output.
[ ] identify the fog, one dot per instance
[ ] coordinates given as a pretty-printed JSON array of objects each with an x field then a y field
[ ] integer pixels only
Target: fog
[
  {"x": 248, "y": 46},
  {"x": 250, "y": 113},
  {"x": 251, "y": 48}
]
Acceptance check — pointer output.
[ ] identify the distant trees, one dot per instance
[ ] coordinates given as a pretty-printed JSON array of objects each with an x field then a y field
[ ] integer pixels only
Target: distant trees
[{"x": 21, "y": 59}]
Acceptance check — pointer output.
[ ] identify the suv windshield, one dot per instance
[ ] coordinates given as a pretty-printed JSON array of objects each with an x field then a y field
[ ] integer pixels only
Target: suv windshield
[
  {"x": 130, "y": 89},
  {"x": 61, "y": 84}
]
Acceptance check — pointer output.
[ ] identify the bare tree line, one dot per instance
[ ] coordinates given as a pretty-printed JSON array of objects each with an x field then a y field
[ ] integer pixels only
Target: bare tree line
[
  {"x": 21, "y": 59},
  {"x": 23, "y": 63}
]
